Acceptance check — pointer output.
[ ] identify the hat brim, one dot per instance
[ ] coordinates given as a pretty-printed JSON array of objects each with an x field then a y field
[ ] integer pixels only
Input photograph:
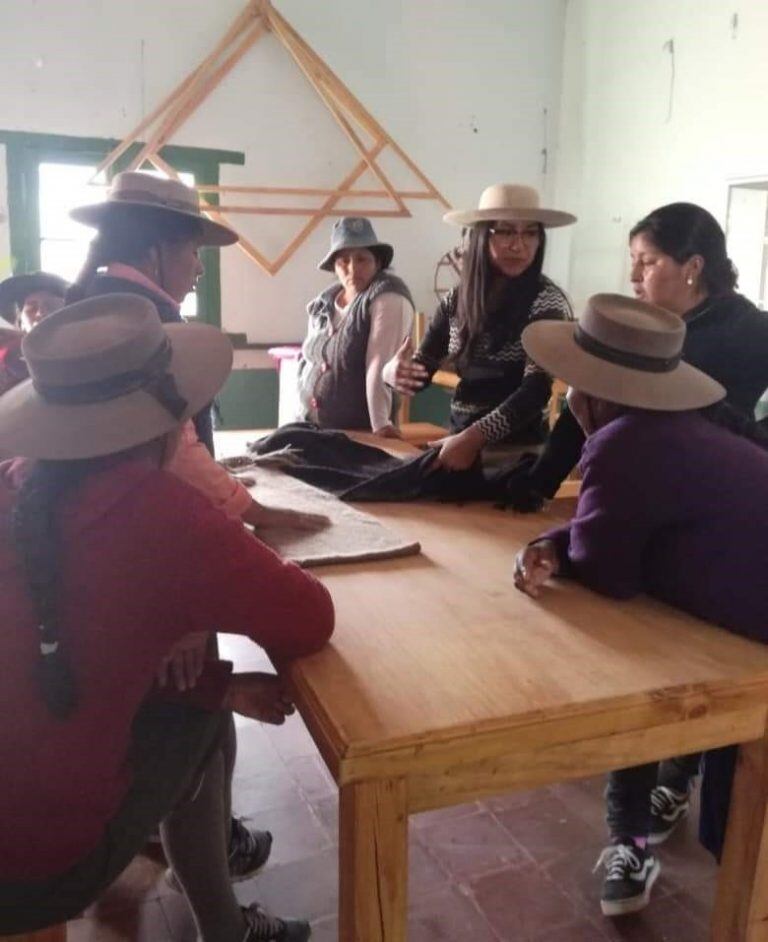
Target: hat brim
[
  {"x": 549, "y": 218},
  {"x": 17, "y": 288},
  {"x": 384, "y": 249},
  {"x": 213, "y": 233},
  {"x": 551, "y": 345},
  {"x": 30, "y": 427}
]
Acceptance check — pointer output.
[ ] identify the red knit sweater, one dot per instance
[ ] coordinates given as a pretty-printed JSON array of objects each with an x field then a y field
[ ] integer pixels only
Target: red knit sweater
[{"x": 145, "y": 560}]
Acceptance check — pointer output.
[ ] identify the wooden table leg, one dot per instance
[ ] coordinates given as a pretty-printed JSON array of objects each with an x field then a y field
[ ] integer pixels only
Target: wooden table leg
[
  {"x": 373, "y": 861},
  {"x": 741, "y": 906}
]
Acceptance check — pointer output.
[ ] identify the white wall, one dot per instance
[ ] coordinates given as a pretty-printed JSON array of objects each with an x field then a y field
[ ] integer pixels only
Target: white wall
[
  {"x": 622, "y": 152},
  {"x": 462, "y": 86}
]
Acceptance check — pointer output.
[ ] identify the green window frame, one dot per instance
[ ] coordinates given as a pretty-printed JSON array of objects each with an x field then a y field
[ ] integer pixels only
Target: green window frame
[{"x": 25, "y": 152}]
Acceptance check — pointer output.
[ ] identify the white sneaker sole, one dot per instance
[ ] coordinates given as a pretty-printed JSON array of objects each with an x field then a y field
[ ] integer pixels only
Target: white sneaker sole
[{"x": 634, "y": 905}]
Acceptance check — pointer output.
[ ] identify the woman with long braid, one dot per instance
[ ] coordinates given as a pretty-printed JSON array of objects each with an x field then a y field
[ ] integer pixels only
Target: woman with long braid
[{"x": 106, "y": 562}]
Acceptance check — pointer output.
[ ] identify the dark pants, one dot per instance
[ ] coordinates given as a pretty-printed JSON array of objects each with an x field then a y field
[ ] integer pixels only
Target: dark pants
[
  {"x": 716, "y": 785},
  {"x": 171, "y": 745},
  {"x": 628, "y": 793}
]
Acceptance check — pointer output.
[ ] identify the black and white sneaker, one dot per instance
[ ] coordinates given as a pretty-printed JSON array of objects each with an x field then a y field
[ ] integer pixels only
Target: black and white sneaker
[
  {"x": 668, "y": 809},
  {"x": 630, "y": 872},
  {"x": 248, "y": 853},
  {"x": 262, "y": 927}
]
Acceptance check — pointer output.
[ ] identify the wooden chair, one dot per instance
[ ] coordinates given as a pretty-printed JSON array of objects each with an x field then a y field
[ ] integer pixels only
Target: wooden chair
[
  {"x": 52, "y": 934},
  {"x": 420, "y": 433},
  {"x": 570, "y": 486}
]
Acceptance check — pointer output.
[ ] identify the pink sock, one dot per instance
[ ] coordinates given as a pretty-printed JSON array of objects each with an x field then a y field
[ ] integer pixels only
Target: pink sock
[{"x": 641, "y": 842}]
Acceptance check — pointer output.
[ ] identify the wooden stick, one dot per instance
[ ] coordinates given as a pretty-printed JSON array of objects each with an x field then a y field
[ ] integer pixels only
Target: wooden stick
[
  {"x": 311, "y": 211},
  {"x": 317, "y": 83},
  {"x": 345, "y": 98},
  {"x": 311, "y": 191},
  {"x": 313, "y": 223},
  {"x": 197, "y": 96},
  {"x": 226, "y": 40},
  {"x": 244, "y": 244}
]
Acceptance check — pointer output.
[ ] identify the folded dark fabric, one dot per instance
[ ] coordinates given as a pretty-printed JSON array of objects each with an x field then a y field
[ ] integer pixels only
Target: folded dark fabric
[{"x": 332, "y": 461}]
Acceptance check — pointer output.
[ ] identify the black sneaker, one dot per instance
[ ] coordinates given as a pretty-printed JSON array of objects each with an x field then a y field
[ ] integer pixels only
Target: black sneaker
[
  {"x": 630, "y": 872},
  {"x": 248, "y": 853},
  {"x": 265, "y": 928},
  {"x": 668, "y": 808}
]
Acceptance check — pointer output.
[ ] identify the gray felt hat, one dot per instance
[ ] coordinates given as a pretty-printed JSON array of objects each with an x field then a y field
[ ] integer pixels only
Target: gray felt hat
[{"x": 355, "y": 232}]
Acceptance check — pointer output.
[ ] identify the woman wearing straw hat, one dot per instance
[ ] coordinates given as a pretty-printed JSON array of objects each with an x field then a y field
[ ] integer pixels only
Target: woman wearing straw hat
[
  {"x": 355, "y": 326},
  {"x": 85, "y": 615},
  {"x": 672, "y": 503},
  {"x": 149, "y": 233},
  {"x": 30, "y": 297},
  {"x": 501, "y": 394}
]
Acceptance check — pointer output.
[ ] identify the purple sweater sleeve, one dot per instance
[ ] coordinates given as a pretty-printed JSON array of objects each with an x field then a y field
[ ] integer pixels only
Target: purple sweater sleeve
[{"x": 622, "y": 502}]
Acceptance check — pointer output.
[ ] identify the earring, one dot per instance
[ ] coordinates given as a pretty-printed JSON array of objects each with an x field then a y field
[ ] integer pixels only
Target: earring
[{"x": 689, "y": 280}]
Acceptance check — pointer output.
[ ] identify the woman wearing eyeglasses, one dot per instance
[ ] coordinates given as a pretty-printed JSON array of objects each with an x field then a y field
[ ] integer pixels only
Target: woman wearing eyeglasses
[{"x": 501, "y": 395}]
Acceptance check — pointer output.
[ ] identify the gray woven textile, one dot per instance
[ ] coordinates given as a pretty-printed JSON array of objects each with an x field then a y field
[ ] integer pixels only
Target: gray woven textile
[{"x": 353, "y": 536}]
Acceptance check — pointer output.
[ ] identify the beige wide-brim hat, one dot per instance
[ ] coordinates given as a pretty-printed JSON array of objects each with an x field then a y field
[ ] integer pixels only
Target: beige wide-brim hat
[
  {"x": 144, "y": 191},
  {"x": 510, "y": 202},
  {"x": 105, "y": 375},
  {"x": 624, "y": 351}
]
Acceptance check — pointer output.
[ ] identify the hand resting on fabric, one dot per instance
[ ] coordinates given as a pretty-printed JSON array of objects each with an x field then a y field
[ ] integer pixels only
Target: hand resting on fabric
[
  {"x": 534, "y": 565},
  {"x": 184, "y": 663}
]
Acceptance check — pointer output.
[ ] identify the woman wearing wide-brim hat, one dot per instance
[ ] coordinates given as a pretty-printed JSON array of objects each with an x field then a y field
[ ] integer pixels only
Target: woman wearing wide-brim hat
[
  {"x": 149, "y": 233},
  {"x": 28, "y": 298},
  {"x": 502, "y": 394},
  {"x": 355, "y": 326},
  {"x": 673, "y": 503},
  {"x": 106, "y": 563}
]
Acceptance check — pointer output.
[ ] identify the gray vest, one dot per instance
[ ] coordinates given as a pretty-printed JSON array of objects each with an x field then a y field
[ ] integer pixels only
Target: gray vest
[{"x": 332, "y": 363}]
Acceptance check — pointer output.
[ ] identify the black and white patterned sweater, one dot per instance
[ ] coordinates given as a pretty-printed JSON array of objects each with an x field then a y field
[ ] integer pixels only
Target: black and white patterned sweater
[{"x": 501, "y": 388}]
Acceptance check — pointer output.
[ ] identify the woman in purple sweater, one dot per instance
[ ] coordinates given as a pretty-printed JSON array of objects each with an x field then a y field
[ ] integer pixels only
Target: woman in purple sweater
[{"x": 672, "y": 503}]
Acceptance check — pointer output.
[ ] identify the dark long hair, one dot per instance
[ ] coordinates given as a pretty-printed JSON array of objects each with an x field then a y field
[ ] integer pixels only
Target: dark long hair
[
  {"x": 37, "y": 538},
  {"x": 128, "y": 237},
  {"x": 478, "y": 278},
  {"x": 682, "y": 230}
]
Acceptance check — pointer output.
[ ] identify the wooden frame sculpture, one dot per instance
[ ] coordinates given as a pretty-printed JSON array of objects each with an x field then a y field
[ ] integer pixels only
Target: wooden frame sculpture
[{"x": 258, "y": 18}]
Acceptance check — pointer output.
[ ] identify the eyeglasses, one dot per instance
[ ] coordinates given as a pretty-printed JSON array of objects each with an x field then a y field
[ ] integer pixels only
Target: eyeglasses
[{"x": 506, "y": 236}]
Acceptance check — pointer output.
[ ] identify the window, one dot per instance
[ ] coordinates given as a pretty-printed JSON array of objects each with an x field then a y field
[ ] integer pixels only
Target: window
[
  {"x": 49, "y": 175},
  {"x": 747, "y": 233}
]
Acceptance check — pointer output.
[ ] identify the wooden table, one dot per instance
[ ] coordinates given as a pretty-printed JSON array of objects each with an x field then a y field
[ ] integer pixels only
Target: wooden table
[{"x": 443, "y": 684}]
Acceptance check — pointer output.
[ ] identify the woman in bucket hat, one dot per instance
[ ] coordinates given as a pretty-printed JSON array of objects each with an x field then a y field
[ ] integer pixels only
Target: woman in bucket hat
[
  {"x": 105, "y": 562},
  {"x": 30, "y": 297},
  {"x": 673, "y": 504},
  {"x": 355, "y": 326},
  {"x": 502, "y": 394}
]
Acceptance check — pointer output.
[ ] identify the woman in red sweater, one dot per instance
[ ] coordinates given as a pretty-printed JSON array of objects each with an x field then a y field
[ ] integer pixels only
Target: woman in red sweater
[{"x": 107, "y": 562}]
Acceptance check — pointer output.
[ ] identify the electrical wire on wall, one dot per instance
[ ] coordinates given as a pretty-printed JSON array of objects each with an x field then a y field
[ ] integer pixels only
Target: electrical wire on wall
[{"x": 669, "y": 46}]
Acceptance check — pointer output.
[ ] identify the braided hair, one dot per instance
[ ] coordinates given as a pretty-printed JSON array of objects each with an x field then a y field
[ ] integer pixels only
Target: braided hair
[
  {"x": 129, "y": 237},
  {"x": 37, "y": 539}
]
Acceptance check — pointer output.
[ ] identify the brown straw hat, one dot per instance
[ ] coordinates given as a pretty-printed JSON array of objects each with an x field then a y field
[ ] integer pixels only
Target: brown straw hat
[
  {"x": 510, "y": 202},
  {"x": 624, "y": 351},
  {"x": 105, "y": 375},
  {"x": 132, "y": 189}
]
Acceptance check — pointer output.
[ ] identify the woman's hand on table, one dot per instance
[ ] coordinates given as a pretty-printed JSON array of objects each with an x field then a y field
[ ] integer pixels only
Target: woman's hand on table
[
  {"x": 184, "y": 663},
  {"x": 534, "y": 565},
  {"x": 404, "y": 374},
  {"x": 261, "y": 517},
  {"x": 259, "y": 696},
  {"x": 458, "y": 452},
  {"x": 388, "y": 431}
]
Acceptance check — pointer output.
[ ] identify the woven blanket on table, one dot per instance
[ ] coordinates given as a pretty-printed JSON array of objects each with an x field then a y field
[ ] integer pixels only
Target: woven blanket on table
[{"x": 353, "y": 536}]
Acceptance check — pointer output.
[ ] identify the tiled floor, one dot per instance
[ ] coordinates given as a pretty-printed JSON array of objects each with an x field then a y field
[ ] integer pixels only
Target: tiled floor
[{"x": 513, "y": 869}]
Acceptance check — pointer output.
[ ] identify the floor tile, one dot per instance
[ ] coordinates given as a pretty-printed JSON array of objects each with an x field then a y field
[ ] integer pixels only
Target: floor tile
[
  {"x": 665, "y": 920},
  {"x": 547, "y": 828},
  {"x": 521, "y": 904},
  {"x": 428, "y": 818},
  {"x": 447, "y": 916},
  {"x": 312, "y": 777},
  {"x": 470, "y": 846},
  {"x": 306, "y": 887},
  {"x": 296, "y": 833}
]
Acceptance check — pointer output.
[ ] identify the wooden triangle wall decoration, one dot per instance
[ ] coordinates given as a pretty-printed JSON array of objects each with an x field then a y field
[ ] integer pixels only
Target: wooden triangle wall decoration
[{"x": 158, "y": 127}]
